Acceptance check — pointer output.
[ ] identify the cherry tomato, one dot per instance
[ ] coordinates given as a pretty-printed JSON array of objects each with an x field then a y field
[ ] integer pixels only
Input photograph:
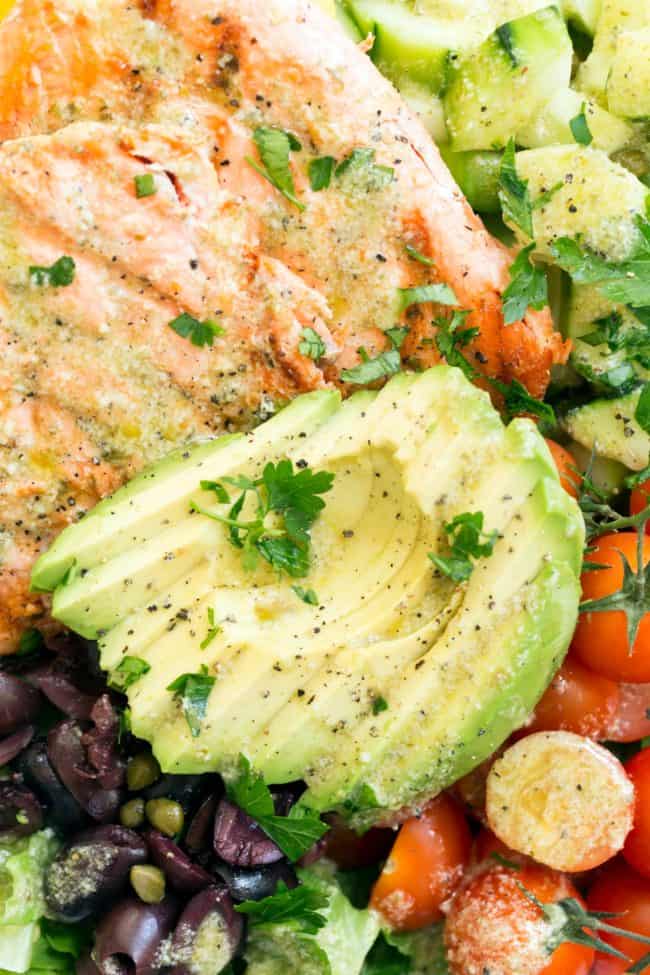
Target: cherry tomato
[
  {"x": 493, "y": 926},
  {"x": 600, "y": 640},
  {"x": 577, "y": 700},
  {"x": 631, "y": 721},
  {"x": 566, "y": 466},
  {"x": 637, "y": 845},
  {"x": 349, "y": 851},
  {"x": 425, "y": 865},
  {"x": 640, "y": 499},
  {"x": 619, "y": 889},
  {"x": 488, "y": 846}
]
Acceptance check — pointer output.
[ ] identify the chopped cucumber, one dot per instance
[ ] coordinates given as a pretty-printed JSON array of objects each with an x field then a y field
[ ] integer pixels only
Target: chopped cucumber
[
  {"x": 494, "y": 91},
  {"x": 607, "y": 475},
  {"x": 596, "y": 198},
  {"x": 628, "y": 88},
  {"x": 583, "y": 14},
  {"x": 477, "y": 174},
  {"x": 608, "y": 427},
  {"x": 551, "y": 125},
  {"x": 617, "y": 16}
]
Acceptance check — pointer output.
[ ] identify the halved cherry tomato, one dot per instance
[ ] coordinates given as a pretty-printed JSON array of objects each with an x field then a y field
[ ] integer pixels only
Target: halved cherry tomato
[
  {"x": 488, "y": 846},
  {"x": 640, "y": 499},
  {"x": 621, "y": 890},
  {"x": 493, "y": 926},
  {"x": 424, "y": 867},
  {"x": 631, "y": 721},
  {"x": 566, "y": 465},
  {"x": 637, "y": 845},
  {"x": 577, "y": 700},
  {"x": 600, "y": 640},
  {"x": 349, "y": 851}
]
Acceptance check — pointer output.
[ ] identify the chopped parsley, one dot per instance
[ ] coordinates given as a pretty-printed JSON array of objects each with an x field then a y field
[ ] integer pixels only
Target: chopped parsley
[
  {"x": 321, "y": 171},
  {"x": 439, "y": 294},
  {"x": 397, "y": 335},
  {"x": 275, "y": 147},
  {"x": 540, "y": 201},
  {"x": 128, "y": 672},
  {"x": 580, "y": 127},
  {"x": 291, "y": 497},
  {"x": 514, "y": 194},
  {"x": 295, "y": 833},
  {"x": 311, "y": 344},
  {"x": 213, "y": 630},
  {"x": 642, "y": 412},
  {"x": 387, "y": 363},
  {"x": 452, "y": 337},
  {"x": 517, "y": 400},
  {"x": 468, "y": 542},
  {"x": 58, "y": 275},
  {"x": 199, "y": 333},
  {"x": 307, "y": 595},
  {"x": 145, "y": 185},
  {"x": 360, "y": 167},
  {"x": 379, "y": 704},
  {"x": 301, "y": 906},
  {"x": 528, "y": 287},
  {"x": 193, "y": 691},
  {"x": 417, "y": 255}
]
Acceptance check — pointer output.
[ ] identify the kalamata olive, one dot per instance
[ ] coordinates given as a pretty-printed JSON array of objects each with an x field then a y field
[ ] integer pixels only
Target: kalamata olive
[
  {"x": 183, "y": 875},
  {"x": 19, "y": 703},
  {"x": 66, "y": 752},
  {"x": 86, "y": 966},
  {"x": 255, "y": 885},
  {"x": 20, "y": 811},
  {"x": 101, "y": 745},
  {"x": 135, "y": 931},
  {"x": 91, "y": 871},
  {"x": 57, "y": 683},
  {"x": 240, "y": 841},
  {"x": 13, "y": 745},
  {"x": 64, "y": 811},
  {"x": 207, "y": 935},
  {"x": 199, "y": 832}
]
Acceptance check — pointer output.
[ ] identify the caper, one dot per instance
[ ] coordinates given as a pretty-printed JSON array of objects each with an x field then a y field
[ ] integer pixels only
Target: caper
[
  {"x": 132, "y": 813},
  {"x": 142, "y": 771},
  {"x": 165, "y": 815},
  {"x": 148, "y": 883}
]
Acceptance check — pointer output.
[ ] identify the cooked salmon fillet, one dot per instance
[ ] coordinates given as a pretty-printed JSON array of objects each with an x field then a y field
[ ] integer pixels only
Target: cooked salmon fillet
[{"x": 94, "y": 383}]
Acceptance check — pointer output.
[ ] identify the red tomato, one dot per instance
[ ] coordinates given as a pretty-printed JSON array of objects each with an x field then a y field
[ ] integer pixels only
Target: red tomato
[
  {"x": 577, "y": 700},
  {"x": 350, "y": 851},
  {"x": 631, "y": 721},
  {"x": 619, "y": 889},
  {"x": 600, "y": 640},
  {"x": 637, "y": 845},
  {"x": 487, "y": 846},
  {"x": 493, "y": 926},
  {"x": 424, "y": 867},
  {"x": 640, "y": 499},
  {"x": 566, "y": 466}
]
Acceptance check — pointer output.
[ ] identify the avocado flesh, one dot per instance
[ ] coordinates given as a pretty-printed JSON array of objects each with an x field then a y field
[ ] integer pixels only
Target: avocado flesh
[{"x": 297, "y": 684}]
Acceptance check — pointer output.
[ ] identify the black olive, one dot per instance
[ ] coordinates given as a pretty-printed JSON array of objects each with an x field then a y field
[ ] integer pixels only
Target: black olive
[
  {"x": 14, "y": 744},
  {"x": 66, "y": 752},
  {"x": 240, "y": 841},
  {"x": 183, "y": 875},
  {"x": 255, "y": 885},
  {"x": 199, "y": 832},
  {"x": 20, "y": 811},
  {"x": 19, "y": 703},
  {"x": 64, "y": 812},
  {"x": 209, "y": 920},
  {"x": 134, "y": 931}
]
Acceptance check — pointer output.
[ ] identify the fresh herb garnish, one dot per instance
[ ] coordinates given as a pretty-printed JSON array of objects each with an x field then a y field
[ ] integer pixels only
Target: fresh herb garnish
[
  {"x": 281, "y": 491},
  {"x": 145, "y": 185},
  {"x": 514, "y": 194},
  {"x": 528, "y": 287},
  {"x": 452, "y": 337},
  {"x": 642, "y": 411},
  {"x": 379, "y": 704},
  {"x": 294, "y": 834},
  {"x": 517, "y": 400},
  {"x": 30, "y": 642},
  {"x": 387, "y": 363},
  {"x": 468, "y": 542},
  {"x": 213, "y": 630},
  {"x": 397, "y": 335},
  {"x": 275, "y": 147},
  {"x": 193, "y": 691},
  {"x": 360, "y": 165},
  {"x": 580, "y": 127},
  {"x": 416, "y": 255},
  {"x": 307, "y": 595},
  {"x": 300, "y": 906},
  {"x": 128, "y": 672},
  {"x": 439, "y": 294},
  {"x": 311, "y": 344},
  {"x": 199, "y": 333},
  {"x": 58, "y": 275},
  {"x": 321, "y": 171},
  {"x": 540, "y": 201}
]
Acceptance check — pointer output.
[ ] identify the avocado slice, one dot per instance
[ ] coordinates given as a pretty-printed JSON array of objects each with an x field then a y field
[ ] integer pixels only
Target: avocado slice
[{"x": 298, "y": 685}]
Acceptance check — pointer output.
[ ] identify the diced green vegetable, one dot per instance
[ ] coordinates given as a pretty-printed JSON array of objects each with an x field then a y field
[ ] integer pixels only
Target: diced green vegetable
[{"x": 628, "y": 86}]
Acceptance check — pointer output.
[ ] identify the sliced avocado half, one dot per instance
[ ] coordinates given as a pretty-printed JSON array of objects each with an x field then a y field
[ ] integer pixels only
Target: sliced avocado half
[{"x": 400, "y": 680}]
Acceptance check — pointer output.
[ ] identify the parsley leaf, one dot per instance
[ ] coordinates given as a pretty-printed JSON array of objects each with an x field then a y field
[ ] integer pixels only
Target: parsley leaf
[
  {"x": 379, "y": 704},
  {"x": 528, "y": 287},
  {"x": 360, "y": 167},
  {"x": 311, "y": 344},
  {"x": 468, "y": 541},
  {"x": 321, "y": 171},
  {"x": 642, "y": 412},
  {"x": 385, "y": 364},
  {"x": 514, "y": 194},
  {"x": 451, "y": 337},
  {"x": 439, "y": 294},
  {"x": 128, "y": 672},
  {"x": 58, "y": 275},
  {"x": 193, "y": 691},
  {"x": 307, "y": 595},
  {"x": 416, "y": 255},
  {"x": 294, "y": 834},
  {"x": 301, "y": 906},
  {"x": 213, "y": 630},
  {"x": 540, "y": 201},
  {"x": 397, "y": 335},
  {"x": 145, "y": 185},
  {"x": 517, "y": 400},
  {"x": 580, "y": 128},
  {"x": 199, "y": 333},
  {"x": 275, "y": 147}
]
